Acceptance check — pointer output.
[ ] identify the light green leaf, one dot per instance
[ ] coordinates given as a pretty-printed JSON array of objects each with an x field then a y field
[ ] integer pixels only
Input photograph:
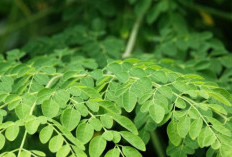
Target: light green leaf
[
  {"x": 108, "y": 135},
  {"x": 107, "y": 121},
  {"x": 113, "y": 153},
  {"x": 130, "y": 152},
  {"x": 222, "y": 96},
  {"x": 129, "y": 101},
  {"x": 110, "y": 107},
  {"x": 50, "y": 108},
  {"x": 157, "y": 112},
  {"x": 173, "y": 136},
  {"x": 183, "y": 126},
  {"x": 63, "y": 151},
  {"x": 2, "y": 141},
  {"x": 55, "y": 143},
  {"x": 39, "y": 153},
  {"x": 84, "y": 132},
  {"x": 61, "y": 97},
  {"x": 217, "y": 125},
  {"x": 25, "y": 154},
  {"x": 12, "y": 132},
  {"x": 165, "y": 91},
  {"x": 180, "y": 103},
  {"x": 45, "y": 134},
  {"x": 97, "y": 146},
  {"x": 96, "y": 123},
  {"x": 117, "y": 137},
  {"x": 134, "y": 140},
  {"x": 195, "y": 128},
  {"x": 70, "y": 118},
  {"x": 206, "y": 137},
  {"x": 125, "y": 122},
  {"x": 32, "y": 126}
]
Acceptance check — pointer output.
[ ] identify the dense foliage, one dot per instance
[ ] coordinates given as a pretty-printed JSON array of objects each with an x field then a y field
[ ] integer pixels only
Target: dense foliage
[{"x": 122, "y": 78}]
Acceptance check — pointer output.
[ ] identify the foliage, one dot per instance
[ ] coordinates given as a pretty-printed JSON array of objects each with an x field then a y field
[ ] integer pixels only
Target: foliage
[{"x": 84, "y": 91}]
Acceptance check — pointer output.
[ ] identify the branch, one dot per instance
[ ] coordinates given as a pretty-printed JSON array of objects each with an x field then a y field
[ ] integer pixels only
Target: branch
[{"x": 133, "y": 36}]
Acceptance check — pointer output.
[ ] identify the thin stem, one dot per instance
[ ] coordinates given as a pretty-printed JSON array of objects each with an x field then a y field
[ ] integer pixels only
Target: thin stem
[
  {"x": 157, "y": 144},
  {"x": 52, "y": 80},
  {"x": 25, "y": 133},
  {"x": 133, "y": 36}
]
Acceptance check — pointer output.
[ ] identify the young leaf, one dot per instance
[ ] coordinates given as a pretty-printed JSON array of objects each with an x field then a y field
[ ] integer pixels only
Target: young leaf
[
  {"x": 107, "y": 121},
  {"x": 32, "y": 126},
  {"x": 70, "y": 118},
  {"x": 183, "y": 126},
  {"x": 63, "y": 151},
  {"x": 55, "y": 143},
  {"x": 125, "y": 122},
  {"x": 195, "y": 128},
  {"x": 113, "y": 153},
  {"x": 129, "y": 101},
  {"x": 134, "y": 140},
  {"x": 97, "y": 146},
  {"x": 50, "y": 108},
  {"x": 84, "y": 132},
  {"x": 45, "y": 134},
  {"x": 2, "y": 141},
  {"x": 130, "y": 152},
  {"x": 156, "y": 112},
  {"x": 12, "y": 132},
  {"x": 173, "y": 136}
]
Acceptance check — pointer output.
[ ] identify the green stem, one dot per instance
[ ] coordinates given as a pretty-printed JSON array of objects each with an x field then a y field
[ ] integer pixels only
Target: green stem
[{"x": 157, "y": 144}]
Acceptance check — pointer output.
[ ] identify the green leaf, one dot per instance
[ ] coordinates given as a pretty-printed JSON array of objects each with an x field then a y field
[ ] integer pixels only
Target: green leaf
[
  {"x": 134, "y": 140},
  {"x": 217, "y": 125},
  {"x": 50, "y": 108},
  {"x": 39, "y": 153},
  {"x": 110, "y": 107},
  {"x": 129, "y": 101},
  {"x": 195, "y": 128},
  {"x": 173, "y": 136},
  {"x": 125, "y": 122},
  {"x": 91, "y": 92},
  {"x": 113, "y": 153},
  {"x": 130, "y": 152},
  {"x": 2, "y": 141},
  {"x": 61, "y": 97},
  {"x": 22, "y": 110},
  {"x": 70, "y": 118},
  {"x": 206, "y": 137},
  {"x": 156, "y": 112},
  {"x": 97, "y": 146},
  {"x": 25, "y": 154},
  {"x": 96, "y": 123},
  {"x": 55, "y": 143},
  {"x": 166, "y": 91},
  {"x": 84, "y": 132},
  {"x": 107, "y": 121},
  {"x": 222, "y": 96},
  {"x": 63, "y": 151},
  {"x": 123, "y": 77},
  {"x": 32, "y": 126},
  {"x": 45, "y": 134},
  {"x": 183, "y": 126},
  {"x": 114, "y": 68},
  {"x": 108, "y": 135},
  {"x": 117, "y": 137},
  {"x": 12, "y": 132},
  {"x": 180, "y": 103}
]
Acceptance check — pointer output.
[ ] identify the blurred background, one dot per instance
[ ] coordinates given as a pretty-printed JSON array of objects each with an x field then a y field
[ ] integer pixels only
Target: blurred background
[{"x": 24, "y": 20}]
